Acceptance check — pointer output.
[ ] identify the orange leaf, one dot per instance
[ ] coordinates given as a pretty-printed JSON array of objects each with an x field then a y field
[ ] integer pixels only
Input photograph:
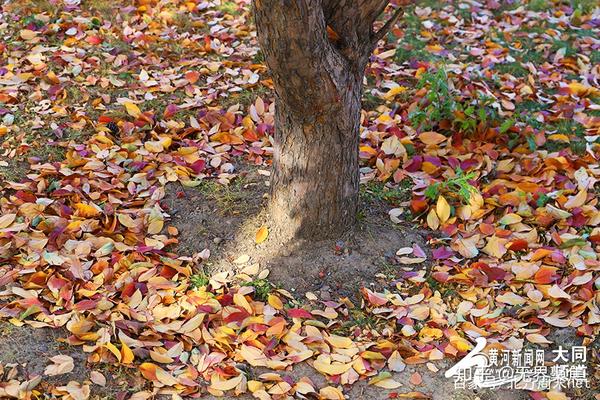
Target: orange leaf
[
  {"x": 432, "y": 138},
  {"x": 126, "y": 354},
  {"x": 261, "y": 235},
  {"x": 416, "y": 379}
]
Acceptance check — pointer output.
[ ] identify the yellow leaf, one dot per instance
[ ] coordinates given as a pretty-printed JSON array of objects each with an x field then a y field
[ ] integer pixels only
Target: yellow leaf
[
  {"x": 132, "y": 109},
  {"x": 372, "y": 355},
  {"x": 576, "y": 201},
  {"x": 161, "y": 358},
  {"x": 387, "y": 383},
  {"x": 229, "y": 384},
  {"x": 537, "y": 338},
  {"x": 510, "y": 219},
  {"x": 330, "y": 393},
  {"x": 341, "y": 342},
  {"x": 240, "y": 300},
  {"x": 432, "y": 220},
  {"x": 6, "y": 220},
  {"x": 495, "y": 247},
  {"x": 192, "y": 324},
  {"x": 165, "y": 378},
  {"x": 324, "y": 366},
  {"x": 261, "y": 235},
  {"x": 511, "y": 298},
  {"x": 254, "y": 386},
  {"x": 461, "y": 344},
  {"x": 27, "y": 34},
  {"x": 442, "y": 209},
  {"x": 155, "y": 226},
  {"x": 126, "y": 220},
  {"x": 126, "y": 354},
  {"x": 554, "y": 395},
  {"x": 559, "y": 137},
  {"x": 394, "y": 91},
  {"x": 582, "y": 90},
  {"x": 384, "y": 119},
  {"x": 253, "y": 356},
  {"x": 302, "y": 387},
  {"x": 154, "y": 146},
  {"x": 86, "y": 210},
  {"x": 476, "y": 201},
  {"x": 165, "y": 141},
  {"x": 113, "y": 349},
  {"x": 429, "y": 332},
  {"x": 275, "y": 302}
]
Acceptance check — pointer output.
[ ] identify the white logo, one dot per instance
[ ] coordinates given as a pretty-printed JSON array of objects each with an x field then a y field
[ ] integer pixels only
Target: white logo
[{"x": 520, "y": 369}]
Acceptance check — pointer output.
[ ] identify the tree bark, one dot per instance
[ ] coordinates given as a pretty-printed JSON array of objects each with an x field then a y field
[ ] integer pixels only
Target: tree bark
[
  {"x": 316, "y": 51},
  {"x": 314, "y": 183}
]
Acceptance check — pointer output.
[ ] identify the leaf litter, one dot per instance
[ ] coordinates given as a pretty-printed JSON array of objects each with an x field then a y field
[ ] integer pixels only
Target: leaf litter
[{"x": 504, "y": 166}]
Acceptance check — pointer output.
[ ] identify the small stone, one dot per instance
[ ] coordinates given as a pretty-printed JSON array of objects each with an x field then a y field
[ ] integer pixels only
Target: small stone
[{"x": 217, "y": 240}]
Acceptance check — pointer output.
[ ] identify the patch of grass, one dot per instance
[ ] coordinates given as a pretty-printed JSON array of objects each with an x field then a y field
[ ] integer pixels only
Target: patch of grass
[
  {"x": 259, "y": 57},
  {"x": 389, "y": 270},
  {"x": 584, "y": 6},
  {"x": 229, "y": 198},
  {"x": 357, "y": 318},
  {"x": 442, "y": 103},
  {"x": 245, "y": 97},
  {"x": 228, "y": 8},
  {"x": 184, "y": 22},
  {"x": 533, "y": 56},
  {"x": 411, "y": 47},
  {"x": 14, "y": 171},
  {"x": 514, "y": 68},
  {"x": 557, "y": 45},
  {"x": 569, "y": 127},
  {"x": 6, "y": 328},
  {"x": 378, "y": 191},
  {"x": 361, "y": 215},
  {"x": 262, "y": 288},
  {"x": 537, "y": 5},
  {"x": 28, "y": 7}
]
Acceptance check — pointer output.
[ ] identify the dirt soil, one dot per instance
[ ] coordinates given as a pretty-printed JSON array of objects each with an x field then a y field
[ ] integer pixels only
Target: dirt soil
[
  {"x": 225, "y": 221},
  {"x": 28, "y": 350}
]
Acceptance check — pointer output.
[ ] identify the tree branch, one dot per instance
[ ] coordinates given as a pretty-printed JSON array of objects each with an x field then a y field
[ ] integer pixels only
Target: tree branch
[{"x": 387, "y": 27}]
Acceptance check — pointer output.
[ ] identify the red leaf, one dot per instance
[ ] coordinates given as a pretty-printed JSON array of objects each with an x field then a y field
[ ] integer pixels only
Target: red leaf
[
  {"x": 298, "y": 313},
  {"x": 518, "y": 245}
]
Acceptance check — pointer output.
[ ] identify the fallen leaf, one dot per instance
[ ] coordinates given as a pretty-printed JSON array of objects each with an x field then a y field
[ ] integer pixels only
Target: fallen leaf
[{"x": 261, "y": 235}]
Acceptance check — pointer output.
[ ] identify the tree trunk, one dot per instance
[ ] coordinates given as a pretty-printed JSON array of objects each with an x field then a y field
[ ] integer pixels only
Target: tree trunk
[
  {"x": 316, "y": 51},
  {"x": 314, "y": 183}
]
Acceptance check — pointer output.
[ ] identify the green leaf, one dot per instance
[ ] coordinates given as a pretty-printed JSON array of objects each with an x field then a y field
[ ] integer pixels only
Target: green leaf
[{"x": 506, "y": 125}]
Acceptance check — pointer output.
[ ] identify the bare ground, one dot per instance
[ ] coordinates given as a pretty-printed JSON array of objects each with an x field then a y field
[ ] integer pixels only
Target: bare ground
[
  {"x": 28, "y": 350},
  {"x": 225, "y": 221}
]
